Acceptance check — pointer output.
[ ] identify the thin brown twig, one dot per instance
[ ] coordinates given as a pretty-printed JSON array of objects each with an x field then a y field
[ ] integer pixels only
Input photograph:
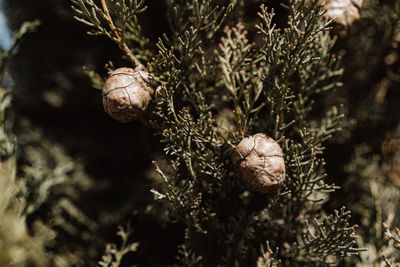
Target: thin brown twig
[{"x": 121, "y": 43}]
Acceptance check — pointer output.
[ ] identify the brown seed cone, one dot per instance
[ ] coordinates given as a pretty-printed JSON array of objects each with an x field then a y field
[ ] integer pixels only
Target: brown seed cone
[
  {"x": 128, "y": 93},
  {"x": 343, "y": 12},
  {"x": 259, "y": 160}
]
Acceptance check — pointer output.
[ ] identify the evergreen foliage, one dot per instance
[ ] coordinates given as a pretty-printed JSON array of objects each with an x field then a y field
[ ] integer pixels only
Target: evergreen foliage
[
  {"x": 16, "y": 245},
  {"x": 279, "y": 79},
  {"x": 227, "y": 70}
]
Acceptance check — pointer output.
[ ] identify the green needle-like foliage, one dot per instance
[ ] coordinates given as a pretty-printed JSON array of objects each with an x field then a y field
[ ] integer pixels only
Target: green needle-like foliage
[
  {"x": 226, "y": 70},
  {"x": 269, "y": 87}
]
